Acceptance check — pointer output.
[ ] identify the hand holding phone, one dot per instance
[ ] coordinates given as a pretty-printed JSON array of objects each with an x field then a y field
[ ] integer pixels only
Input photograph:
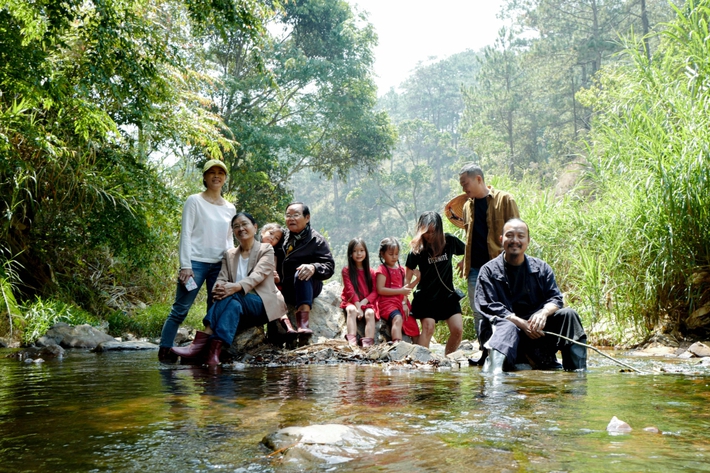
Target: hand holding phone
[{"x": 191, "y": 285}]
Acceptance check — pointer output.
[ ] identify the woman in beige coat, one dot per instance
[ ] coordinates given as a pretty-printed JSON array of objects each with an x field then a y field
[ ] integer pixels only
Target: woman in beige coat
[{"x": 245, "y": 292}]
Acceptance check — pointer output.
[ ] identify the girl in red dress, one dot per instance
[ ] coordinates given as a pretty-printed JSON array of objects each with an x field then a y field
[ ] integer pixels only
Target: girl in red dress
[
  {"x": 392, "y": 303},
  {"x": 359, "y": 293}
]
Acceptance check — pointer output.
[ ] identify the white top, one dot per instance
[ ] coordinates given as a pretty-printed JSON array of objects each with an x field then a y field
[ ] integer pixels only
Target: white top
[
  {"x": 242, "y": 268},
  {"x": 206, "y": 231}
]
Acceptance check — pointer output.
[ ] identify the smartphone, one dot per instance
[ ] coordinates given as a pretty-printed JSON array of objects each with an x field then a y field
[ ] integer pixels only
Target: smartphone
[{"x": 191, "y": 285}]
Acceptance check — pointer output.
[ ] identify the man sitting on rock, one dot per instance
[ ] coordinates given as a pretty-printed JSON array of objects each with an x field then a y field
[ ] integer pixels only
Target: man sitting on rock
[
  {"x": 520, "y": 301},
  {"x": 305, "y": 263}
]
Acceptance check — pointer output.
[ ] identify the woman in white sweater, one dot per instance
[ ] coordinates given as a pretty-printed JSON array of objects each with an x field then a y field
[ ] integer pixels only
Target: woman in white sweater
[{"x": 206, "y": 234}]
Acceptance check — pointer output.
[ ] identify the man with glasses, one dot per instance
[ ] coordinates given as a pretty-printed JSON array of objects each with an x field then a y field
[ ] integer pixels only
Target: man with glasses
[{"x": 305, "y": 263}]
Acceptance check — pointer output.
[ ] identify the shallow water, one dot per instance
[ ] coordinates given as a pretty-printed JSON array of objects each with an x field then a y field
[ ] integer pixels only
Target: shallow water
[{"x": 124, "y": 412}]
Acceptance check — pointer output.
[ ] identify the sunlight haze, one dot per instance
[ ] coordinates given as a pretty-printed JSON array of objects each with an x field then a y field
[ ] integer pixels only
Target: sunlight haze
[{"x": 416, "y": 30}]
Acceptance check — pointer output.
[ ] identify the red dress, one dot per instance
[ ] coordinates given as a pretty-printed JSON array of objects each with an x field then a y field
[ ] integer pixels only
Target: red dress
[
  {"x": 348, "y": 295},
  {"x": 394, "y": 279}
]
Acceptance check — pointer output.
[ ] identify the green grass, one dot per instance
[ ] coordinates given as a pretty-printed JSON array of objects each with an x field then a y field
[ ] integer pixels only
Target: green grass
[{"x": 41, "y": 314}]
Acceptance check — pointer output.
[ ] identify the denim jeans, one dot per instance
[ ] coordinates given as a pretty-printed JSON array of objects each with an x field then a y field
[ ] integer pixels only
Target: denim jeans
[
  {"x": 472, "y": 276},
  {"x": 236, "y": 312},
  {"x": 184, "y": 299}
]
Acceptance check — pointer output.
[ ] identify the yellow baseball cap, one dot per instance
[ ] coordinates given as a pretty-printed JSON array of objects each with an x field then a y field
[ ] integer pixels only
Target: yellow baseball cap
[{"x": 212, "y": 163}]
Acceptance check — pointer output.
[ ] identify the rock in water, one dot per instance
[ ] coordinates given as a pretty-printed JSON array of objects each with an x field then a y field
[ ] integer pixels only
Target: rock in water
[
  {"x": 617, "y": 426},
  {"x": 327, "y": 443},
  {"x": 133, "y": 345}
]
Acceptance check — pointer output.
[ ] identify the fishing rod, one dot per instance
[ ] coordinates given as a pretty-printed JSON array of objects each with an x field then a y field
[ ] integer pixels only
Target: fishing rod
[{"x": 596, "y": 350}]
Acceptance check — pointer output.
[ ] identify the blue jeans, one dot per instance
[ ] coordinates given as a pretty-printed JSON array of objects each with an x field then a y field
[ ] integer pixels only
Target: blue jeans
[
  {"x": 472, "y": 277},
  {"x": 184, "y": 299},
  {"x": 238, "y": 311}
]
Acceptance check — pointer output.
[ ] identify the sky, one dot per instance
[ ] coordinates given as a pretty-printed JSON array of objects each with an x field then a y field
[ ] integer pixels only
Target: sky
[{"x": 411, "y": 31}]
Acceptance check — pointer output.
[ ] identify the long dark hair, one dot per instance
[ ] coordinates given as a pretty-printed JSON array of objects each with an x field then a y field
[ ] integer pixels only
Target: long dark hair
[
  {"x": 426, "y": 221},
  {"x": 352, "y": 267}
]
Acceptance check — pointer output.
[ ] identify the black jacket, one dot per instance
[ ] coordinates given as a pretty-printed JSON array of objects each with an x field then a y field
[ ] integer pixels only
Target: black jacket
[{"x": 312, "y": 249}]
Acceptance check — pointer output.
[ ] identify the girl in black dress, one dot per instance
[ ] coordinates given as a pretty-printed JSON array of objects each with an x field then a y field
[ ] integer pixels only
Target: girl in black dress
[{"x": 430, "y": 262}]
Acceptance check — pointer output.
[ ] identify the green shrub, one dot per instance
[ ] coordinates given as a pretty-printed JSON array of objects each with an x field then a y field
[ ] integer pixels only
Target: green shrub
[
  {"x": 42, "y": 314},
  {"x": 149, "y": 322}
]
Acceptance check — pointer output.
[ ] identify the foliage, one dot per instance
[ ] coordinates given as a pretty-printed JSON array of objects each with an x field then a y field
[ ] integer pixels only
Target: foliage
[
  {"x": 648, "y": 141},
  {"x": 312, "y": 107},
  {"x": 42, "y": 314}
]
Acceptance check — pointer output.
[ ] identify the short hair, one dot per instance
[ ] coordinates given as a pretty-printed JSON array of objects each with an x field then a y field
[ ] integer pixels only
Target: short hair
[
  {"x": 516, "y": 220},
  {"x": 306, "y": 210},
  {"x": 244, "y": 214},
  {"x": 472, "y": 170}
]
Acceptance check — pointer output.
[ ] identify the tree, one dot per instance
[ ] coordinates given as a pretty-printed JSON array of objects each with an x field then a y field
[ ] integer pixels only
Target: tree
[
  {"x": 89, "y": 91},
  {"x": 310, "y": 107}
]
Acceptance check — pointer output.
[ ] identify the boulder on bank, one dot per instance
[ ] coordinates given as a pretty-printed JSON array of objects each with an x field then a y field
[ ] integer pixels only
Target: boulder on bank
[
  {"x": 247, "y": 339},
  {"x": 66, "y": 336}
]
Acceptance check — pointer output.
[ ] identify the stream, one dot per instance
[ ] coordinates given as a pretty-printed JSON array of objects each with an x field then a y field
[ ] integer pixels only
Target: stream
[{"x": 125, "y": 412}]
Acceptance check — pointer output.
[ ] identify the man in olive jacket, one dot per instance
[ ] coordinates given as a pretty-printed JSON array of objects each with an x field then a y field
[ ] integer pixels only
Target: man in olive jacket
[{"x": 484, "y": 214}]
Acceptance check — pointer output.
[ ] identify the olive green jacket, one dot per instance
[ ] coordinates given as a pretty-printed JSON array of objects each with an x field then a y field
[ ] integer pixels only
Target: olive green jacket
[{"x": 501, "y": 208}]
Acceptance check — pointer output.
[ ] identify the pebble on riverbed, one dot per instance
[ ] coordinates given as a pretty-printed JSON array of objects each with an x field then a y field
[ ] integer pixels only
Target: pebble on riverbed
[
  {"x": 339, "y": 351},
  {"x": 617, "y": 426}
]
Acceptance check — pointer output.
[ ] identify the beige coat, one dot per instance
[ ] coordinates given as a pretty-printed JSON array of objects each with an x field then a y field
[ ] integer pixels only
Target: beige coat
[
  {"x": 501, "y": 208},
  {"x": 260, "y": 277}
]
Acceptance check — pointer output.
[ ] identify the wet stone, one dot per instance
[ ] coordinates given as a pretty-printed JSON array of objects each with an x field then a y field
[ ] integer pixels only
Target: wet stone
[
  {"x": 31, "y": 354},
  {"x": 699, "y": 349},
  {"x": 617, "y": 426},
  {"x": 130, "y": 345},
  {"x": 326, "y": 443}
]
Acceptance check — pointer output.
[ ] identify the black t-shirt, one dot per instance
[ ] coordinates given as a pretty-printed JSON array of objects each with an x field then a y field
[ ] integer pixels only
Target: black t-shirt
[
  {"x": 520, "y": 297},
  {"x": 479, "y": 242},
  {"x": 430, "y": 287}
]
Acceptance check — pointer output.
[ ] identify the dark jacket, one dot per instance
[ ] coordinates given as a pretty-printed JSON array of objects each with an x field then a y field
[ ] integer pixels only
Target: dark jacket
[
  {"x": 312, "y": 249},
  {"x": 493, "y": 296}
]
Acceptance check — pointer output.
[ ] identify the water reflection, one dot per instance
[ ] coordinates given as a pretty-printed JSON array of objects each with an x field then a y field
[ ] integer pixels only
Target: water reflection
[{"x": 124, "y": 412}]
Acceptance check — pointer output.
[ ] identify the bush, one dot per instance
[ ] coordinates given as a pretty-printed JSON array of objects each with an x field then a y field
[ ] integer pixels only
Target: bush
[
  {"x": 43, "y": 314},
  {"x": 149, "y": 322}
]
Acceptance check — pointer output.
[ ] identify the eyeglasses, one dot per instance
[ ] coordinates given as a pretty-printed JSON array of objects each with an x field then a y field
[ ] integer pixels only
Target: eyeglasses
[
  {"x": 240, "y": 226},
  {"x": 294, "y": 215}
]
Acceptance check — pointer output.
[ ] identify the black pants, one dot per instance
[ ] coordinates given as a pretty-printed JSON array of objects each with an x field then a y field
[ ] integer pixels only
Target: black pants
[{"x": 504, "y": 336}]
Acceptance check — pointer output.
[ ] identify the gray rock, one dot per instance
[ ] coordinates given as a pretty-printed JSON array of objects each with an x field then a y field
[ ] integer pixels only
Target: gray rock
[
  {"x": 3, "y": 343},
  {"x": 31, "y": 354},
  {"x": 130, "y": 345},
  {"x": 699, "y": 349},
  {"x": 326, "y": 319},
  {"x": 247, "y": 339},
  {"x": 415, "y": 353},
  {"x": 182, "y": 336},
  {"x": 81, "y": 336},
  {"x": 328, "y": 443},
  {"x": 617, "y": 426}
]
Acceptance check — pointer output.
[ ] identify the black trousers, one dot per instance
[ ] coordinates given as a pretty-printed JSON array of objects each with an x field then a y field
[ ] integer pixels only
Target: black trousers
[{"x": 504, "y": 336}]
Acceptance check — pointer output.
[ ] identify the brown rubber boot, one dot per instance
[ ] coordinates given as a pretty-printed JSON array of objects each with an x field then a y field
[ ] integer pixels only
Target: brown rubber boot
[
  {"x": 195, "y": 348},
  {"x": 215, "y": 350},
  {"x": 302, "y": 321}
]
